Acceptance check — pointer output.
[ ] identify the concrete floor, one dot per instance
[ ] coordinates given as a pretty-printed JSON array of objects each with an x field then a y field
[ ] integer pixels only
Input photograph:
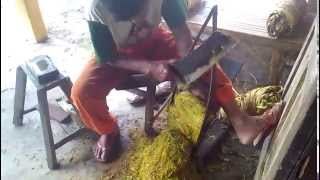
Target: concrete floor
[{"x": 22, "y": 148}]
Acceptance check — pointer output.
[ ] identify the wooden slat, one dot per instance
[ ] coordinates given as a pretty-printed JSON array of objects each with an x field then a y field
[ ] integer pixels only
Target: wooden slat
[
  {"x": 70, "y": 137},
  {"x": 293, "y": 82},
  {"x": 300, "y": 99},
  {"x": 299, "y": 59},
  {"x": 284, "y": 135}
]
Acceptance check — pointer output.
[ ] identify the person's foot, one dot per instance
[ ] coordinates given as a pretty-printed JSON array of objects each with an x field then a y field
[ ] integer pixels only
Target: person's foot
[
  {"x": 107, "y": 148},
  {"x": 162, "y": 90},
  {"x": 251, "y": 129}
]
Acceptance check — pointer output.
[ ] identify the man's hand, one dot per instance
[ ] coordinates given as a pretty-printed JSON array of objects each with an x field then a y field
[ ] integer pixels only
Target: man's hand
[{"x": 160, "y": 72}]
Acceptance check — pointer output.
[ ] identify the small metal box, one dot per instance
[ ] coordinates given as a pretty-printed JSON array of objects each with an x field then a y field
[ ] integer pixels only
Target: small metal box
[{"x": 42, "y": 69}]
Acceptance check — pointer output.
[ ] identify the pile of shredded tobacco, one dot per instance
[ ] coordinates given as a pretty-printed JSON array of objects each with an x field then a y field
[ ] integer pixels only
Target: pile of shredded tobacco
[
  {"x": 258, "y": 100},
  {"x": 186, "y": 114},
  {"x": 167, "y": 156}
]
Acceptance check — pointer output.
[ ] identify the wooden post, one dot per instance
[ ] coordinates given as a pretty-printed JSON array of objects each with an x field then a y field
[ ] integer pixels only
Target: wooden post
[
  {"x": 31, "y": 12},
  {"x": 149, "y": 114},
  {"x": 275, "y": 66}
]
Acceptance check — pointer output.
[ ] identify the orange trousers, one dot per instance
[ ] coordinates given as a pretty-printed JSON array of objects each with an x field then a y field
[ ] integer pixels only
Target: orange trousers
[{"x": 89, "y": 92}]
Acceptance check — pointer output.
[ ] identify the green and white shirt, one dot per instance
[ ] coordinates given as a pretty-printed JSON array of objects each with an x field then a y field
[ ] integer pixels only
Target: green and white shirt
[{"x": 107, "y": 34}]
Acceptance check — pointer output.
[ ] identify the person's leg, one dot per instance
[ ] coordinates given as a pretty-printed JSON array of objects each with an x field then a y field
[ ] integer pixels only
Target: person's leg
[
  {"x": 96, "y": 81},
  {"x": 89, "y": 97},
  {"x": 246, "y": 127},
  {"x": 250, "y": 128}
]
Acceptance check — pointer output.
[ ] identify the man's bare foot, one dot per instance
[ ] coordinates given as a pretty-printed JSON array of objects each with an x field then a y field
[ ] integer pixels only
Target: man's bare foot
[
  {"x": 248, "y": 128},
  {"x": 108, "y": 147}
]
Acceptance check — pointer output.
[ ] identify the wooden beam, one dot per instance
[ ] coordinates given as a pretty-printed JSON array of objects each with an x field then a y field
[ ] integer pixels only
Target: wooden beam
[
  {"x": 275, "y": 66},
  {"x": 30, "y": 10},
  {"x": 299, "y": 59}
]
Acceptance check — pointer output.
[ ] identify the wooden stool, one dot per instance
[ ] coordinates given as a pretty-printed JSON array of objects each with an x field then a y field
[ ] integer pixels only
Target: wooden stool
[
  {"x": 140, "y": 80},
  {"x": 61, "y": 81}
]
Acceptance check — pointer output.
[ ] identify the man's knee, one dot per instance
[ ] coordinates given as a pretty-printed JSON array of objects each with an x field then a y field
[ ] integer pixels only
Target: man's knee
[
  {"x": 84, "y": 91},
  {"x": 77, "y": 92}
]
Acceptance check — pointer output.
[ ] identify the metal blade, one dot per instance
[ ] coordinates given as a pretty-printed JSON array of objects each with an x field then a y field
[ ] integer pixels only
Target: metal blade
[{"x": 198, "y": 62}]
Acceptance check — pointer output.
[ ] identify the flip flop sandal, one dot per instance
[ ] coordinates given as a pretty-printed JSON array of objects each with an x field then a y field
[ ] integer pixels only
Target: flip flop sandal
[{"x": 270, "y": 123}]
